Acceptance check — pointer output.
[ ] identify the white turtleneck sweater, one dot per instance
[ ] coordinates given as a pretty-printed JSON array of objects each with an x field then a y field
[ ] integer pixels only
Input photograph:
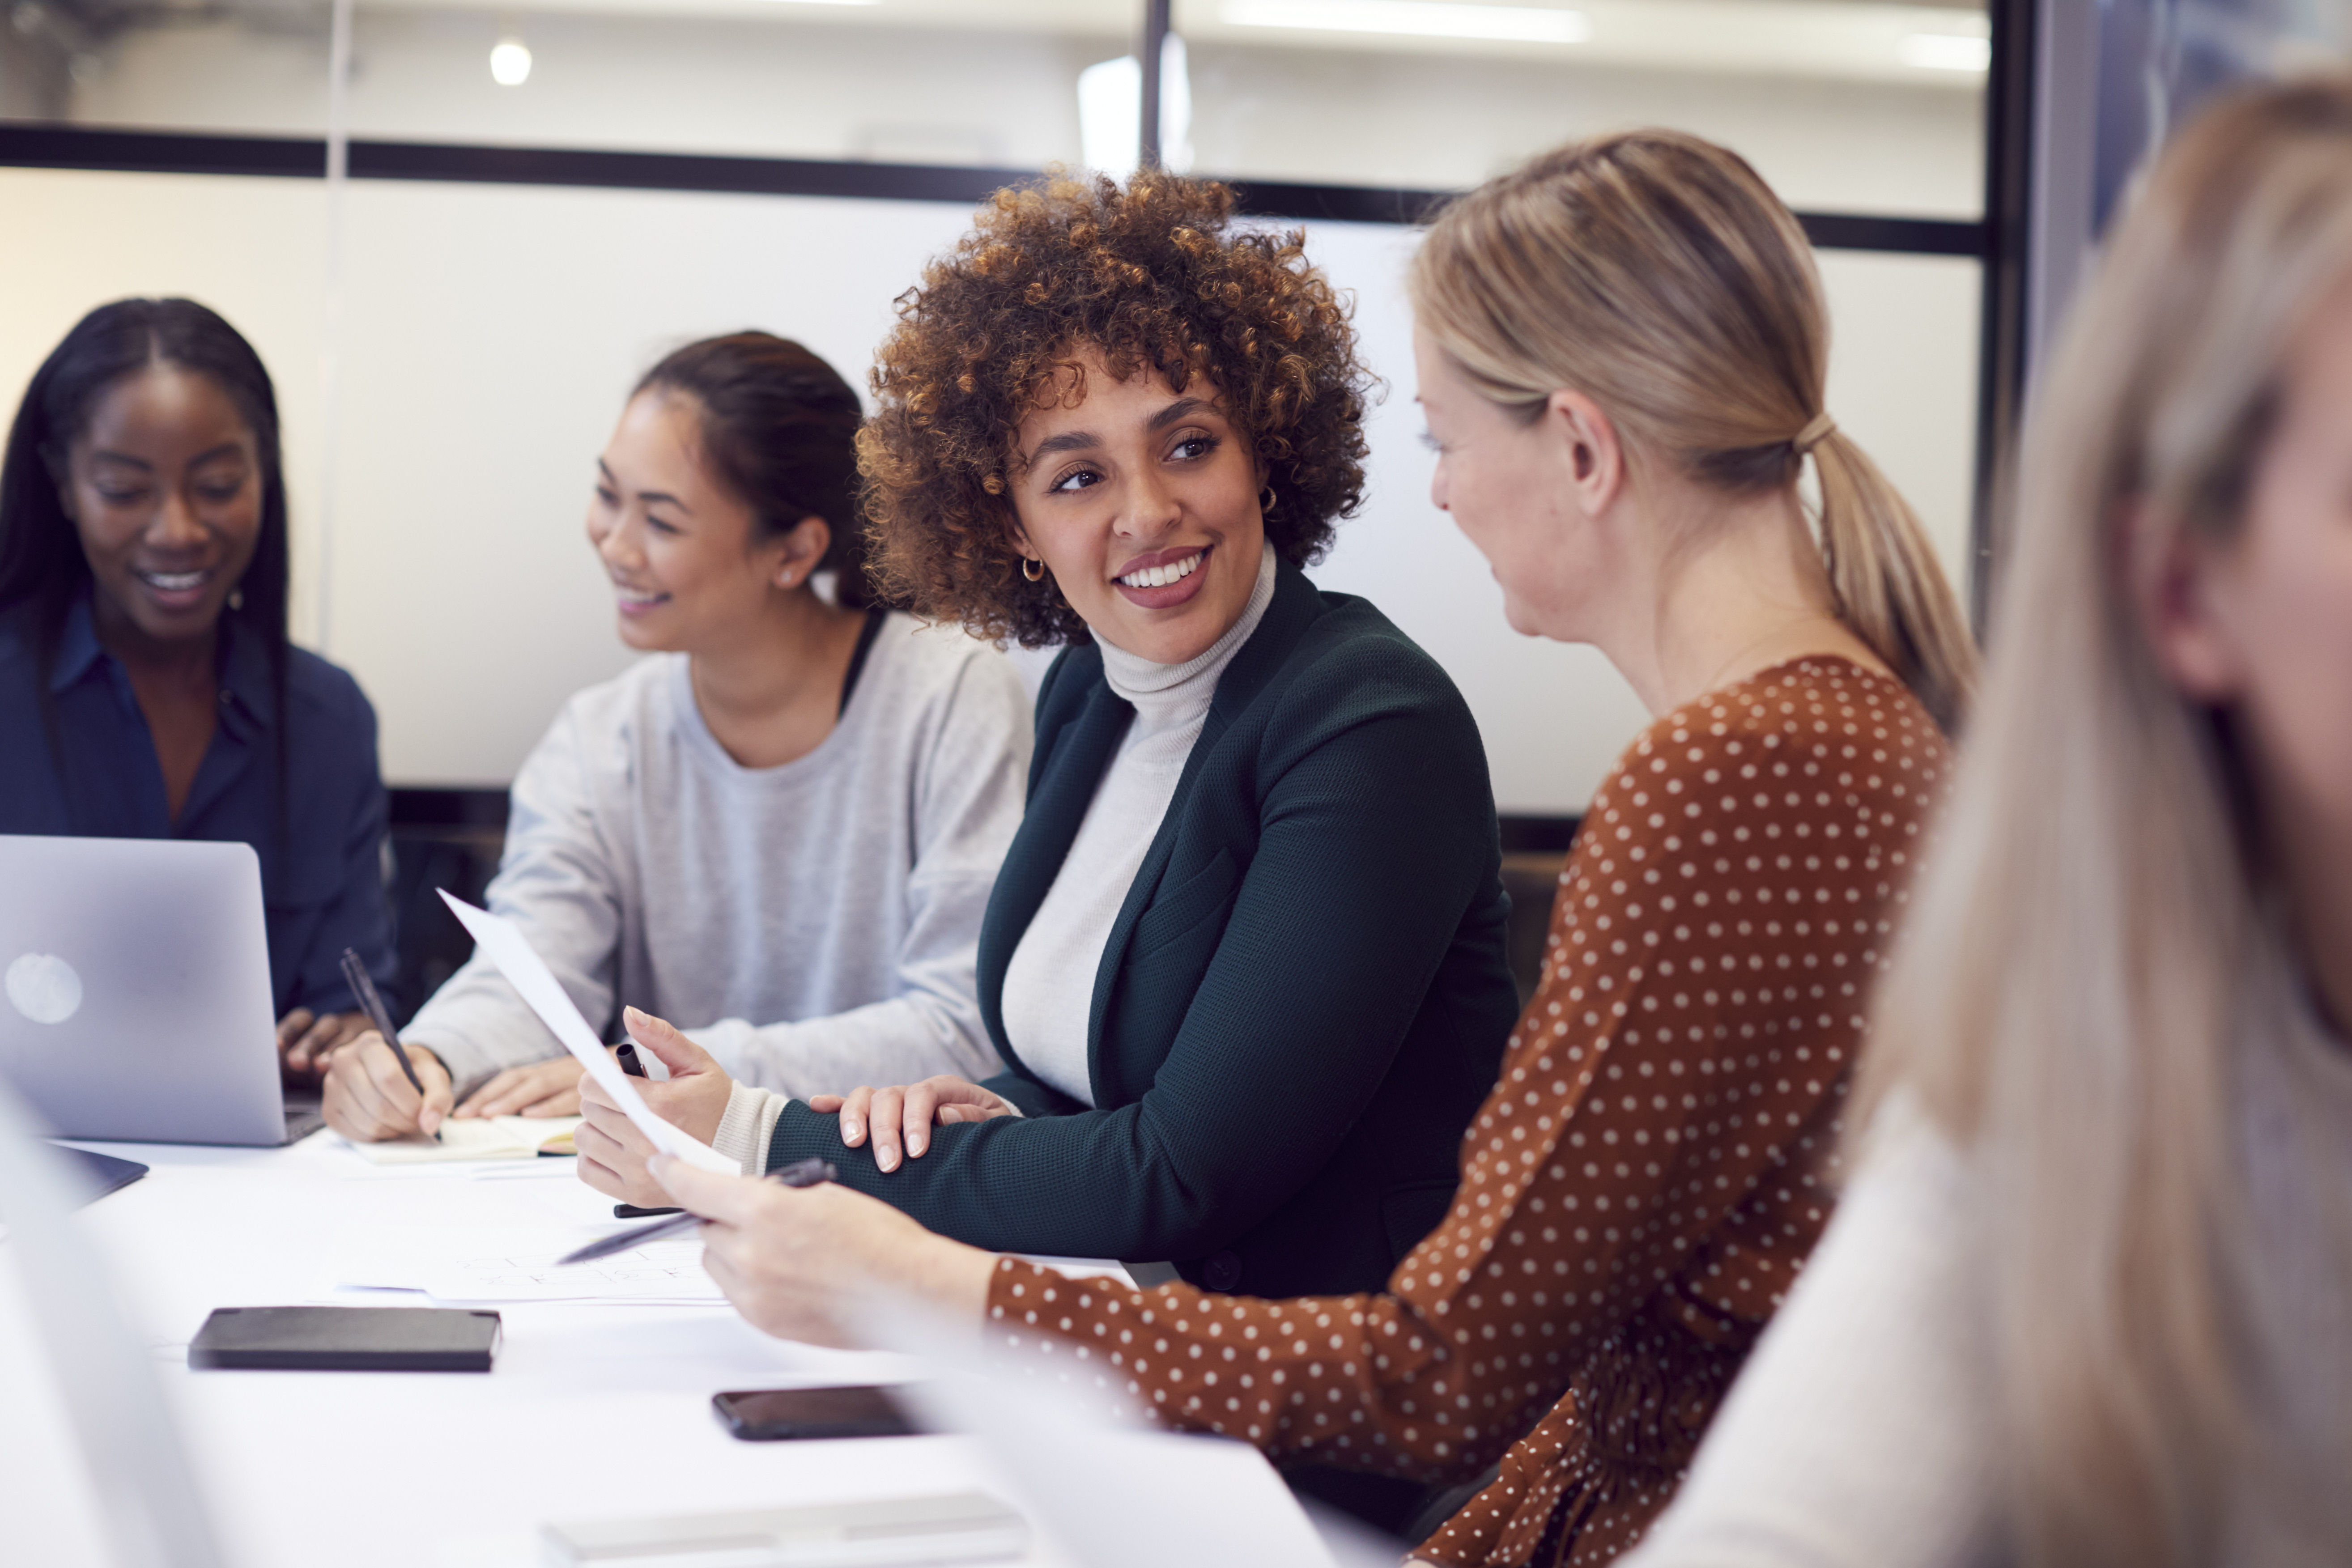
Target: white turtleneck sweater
[{"x": 1049, "y": 986}]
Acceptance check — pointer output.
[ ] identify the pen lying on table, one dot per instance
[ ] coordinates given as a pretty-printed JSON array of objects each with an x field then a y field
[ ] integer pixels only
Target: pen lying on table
[{"x": 799, "y": 1173}]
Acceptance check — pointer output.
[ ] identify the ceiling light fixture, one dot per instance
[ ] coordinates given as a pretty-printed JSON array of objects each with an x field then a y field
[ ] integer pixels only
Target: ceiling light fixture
[
  {"x": 1111, "y": 113},
  {"x": 1420, "y": 18},
  {"x": 510, "y": 62},
  {"x": 1944, "y": 52}
]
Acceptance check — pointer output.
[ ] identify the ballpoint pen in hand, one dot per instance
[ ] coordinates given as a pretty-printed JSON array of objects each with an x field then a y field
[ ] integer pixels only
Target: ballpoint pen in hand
[
  {"x": 799, "y": 1173},
  {"x": 372, "y": 1004}
]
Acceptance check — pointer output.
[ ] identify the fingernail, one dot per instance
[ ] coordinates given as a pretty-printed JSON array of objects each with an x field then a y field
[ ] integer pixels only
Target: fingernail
[
  {"x": 915, "y": 1146},
  {"x": 888, "y": 1159},
  {"x": 851, "y": 1131}
]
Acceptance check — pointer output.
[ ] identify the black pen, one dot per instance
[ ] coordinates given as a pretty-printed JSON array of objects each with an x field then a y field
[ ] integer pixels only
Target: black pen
[
  {"x": 372, "y": 1006},
  {"x": 806, "y": 1172}
]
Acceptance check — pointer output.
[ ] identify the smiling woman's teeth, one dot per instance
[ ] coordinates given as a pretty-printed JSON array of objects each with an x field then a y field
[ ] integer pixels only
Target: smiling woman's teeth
[
  {"x": 172, "y": 581},
  {"x": 1161, "y": 576}
]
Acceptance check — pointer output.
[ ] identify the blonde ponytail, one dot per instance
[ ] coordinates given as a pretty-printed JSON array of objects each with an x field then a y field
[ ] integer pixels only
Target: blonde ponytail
[
  {"x": 1658, "y": 274},
  {"x": 1890, "y": 589}
]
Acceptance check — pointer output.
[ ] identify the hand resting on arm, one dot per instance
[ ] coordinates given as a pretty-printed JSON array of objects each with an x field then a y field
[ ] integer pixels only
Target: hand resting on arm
[{"x": 903, "y": 1115}]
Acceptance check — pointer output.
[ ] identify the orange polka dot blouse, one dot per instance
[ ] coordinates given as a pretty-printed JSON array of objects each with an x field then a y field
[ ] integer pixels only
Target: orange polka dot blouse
[{"x": 1646, "y": 1177}]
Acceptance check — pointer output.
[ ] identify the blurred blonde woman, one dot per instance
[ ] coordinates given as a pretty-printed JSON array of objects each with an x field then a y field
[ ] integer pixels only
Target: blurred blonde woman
[
  {"x": 1621, "y": 359},
  {"x": 2089, "y": 1300}
]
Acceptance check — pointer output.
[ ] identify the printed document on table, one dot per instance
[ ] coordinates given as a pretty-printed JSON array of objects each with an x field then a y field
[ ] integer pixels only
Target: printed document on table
[{"x": 517, "y": 1263}]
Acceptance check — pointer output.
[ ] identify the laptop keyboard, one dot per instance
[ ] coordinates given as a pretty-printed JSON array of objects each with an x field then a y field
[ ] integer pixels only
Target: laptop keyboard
[{"x": 303, "y": 1115}]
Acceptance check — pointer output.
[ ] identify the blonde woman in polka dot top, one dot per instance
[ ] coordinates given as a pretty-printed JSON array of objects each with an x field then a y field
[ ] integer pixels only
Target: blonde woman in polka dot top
[{"x": 1644, "y": 1181}]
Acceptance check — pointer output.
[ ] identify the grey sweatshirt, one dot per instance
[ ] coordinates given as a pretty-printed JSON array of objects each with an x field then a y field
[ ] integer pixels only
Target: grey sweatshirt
[{"x": 815, "y": 926}]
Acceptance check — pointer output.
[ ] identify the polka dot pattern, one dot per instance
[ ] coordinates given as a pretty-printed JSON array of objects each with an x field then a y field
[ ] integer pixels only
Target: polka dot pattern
[{"x": 1644, "y": 1182}]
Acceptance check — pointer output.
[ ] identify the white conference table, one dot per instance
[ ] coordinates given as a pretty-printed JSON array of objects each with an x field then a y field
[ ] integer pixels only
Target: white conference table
[{"x": 593, "y": 1411}]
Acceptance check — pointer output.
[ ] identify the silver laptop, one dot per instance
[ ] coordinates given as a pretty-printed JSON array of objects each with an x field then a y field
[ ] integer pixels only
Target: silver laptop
[{"x": 134, "y": 990}]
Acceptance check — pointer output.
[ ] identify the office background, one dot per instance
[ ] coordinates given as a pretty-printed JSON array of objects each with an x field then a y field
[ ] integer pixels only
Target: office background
[{"x": 452, "y": 353}]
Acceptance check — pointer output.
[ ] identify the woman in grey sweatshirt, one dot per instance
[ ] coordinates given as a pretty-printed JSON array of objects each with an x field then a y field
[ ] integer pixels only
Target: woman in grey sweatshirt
[{"x": 783, "y": 826}]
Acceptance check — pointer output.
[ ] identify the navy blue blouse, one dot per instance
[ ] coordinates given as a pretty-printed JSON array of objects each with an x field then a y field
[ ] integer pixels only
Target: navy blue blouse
[{"x": 321, "y": 879}]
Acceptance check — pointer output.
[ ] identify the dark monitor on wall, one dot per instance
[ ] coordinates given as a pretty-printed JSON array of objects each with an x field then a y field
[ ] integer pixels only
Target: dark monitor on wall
[{"x": 2115, "y": 79}]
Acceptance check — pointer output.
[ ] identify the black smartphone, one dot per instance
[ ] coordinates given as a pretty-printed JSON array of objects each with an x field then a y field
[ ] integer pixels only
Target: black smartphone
[{"x": 780, "y": 1415}]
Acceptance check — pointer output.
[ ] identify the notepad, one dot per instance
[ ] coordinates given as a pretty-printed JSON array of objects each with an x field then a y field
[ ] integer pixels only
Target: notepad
[{"x": 477, "y": 1138}]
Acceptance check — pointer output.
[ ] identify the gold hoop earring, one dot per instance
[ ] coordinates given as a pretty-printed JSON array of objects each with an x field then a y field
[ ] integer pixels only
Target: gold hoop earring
[
  {"x": 1265, "y": 499},
  {"x": 1033, "y": 569}
]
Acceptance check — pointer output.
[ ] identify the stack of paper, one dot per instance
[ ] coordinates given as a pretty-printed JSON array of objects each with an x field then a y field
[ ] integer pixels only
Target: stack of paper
[
  {"x": 472, "y": 1263},
  {"x": 478, "y": 1138}
]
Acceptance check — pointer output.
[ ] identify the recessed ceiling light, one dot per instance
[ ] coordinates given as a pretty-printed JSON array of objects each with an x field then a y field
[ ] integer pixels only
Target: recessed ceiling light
[
  {"x": 509, "y": 63},
  {"x": 1420, "y": 19},
  {"x": 1944, "y": 52}
]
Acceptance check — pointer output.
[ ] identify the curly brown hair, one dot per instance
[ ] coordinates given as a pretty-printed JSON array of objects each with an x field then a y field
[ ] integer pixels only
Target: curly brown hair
[{"x": 1150, "y": 277}]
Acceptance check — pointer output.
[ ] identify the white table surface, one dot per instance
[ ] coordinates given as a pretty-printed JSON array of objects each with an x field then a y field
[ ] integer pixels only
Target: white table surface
[{"x": 592, "y": 1411}]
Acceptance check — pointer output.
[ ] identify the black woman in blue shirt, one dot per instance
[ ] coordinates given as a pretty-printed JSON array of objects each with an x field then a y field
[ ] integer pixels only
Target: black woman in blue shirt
[{"x": 147, "y": 688}]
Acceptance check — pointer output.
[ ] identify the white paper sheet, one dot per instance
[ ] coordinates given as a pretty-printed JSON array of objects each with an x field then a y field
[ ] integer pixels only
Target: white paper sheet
[
  {"x": 538, "y": 985},
  {"x": 517, "y": 1263}
]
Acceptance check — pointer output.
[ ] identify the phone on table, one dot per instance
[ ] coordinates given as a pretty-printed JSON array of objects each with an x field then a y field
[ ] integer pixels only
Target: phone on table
[{"x": 782, "y": 1414}]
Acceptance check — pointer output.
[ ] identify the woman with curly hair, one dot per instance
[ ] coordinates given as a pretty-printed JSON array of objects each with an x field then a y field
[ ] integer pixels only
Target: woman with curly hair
[
  {"x": 1620, "y": 352},
  {"x": 1245, "y": 960}
]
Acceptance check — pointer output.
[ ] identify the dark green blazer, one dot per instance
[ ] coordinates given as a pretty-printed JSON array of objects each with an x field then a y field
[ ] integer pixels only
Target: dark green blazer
[{"x": 1301, "y": 1004}]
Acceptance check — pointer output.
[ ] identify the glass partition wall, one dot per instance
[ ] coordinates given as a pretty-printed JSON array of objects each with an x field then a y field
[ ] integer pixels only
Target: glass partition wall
[
  {"x": 545, "y": 195},
  {"x": 978, "y": 82},
  {"x": 1850, "y": 105}
]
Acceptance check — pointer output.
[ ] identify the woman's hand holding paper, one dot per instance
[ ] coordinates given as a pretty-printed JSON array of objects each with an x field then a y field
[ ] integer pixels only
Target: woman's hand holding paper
[
  {"x": 612, "y": 1150},
  {"x": 794, "y": 1261}
]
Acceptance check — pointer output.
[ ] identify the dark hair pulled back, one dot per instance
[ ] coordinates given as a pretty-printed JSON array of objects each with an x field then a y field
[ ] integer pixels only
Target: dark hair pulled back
[
  {"x": 779, "y": 431},
  {"x": 41, "y": 558}
]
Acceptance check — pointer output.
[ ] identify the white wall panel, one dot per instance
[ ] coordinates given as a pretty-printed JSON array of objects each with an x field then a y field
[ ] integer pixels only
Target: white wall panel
[
  {"x": 1901, "y": 381},
  {"x": 492, "y": 332},
  {"x": 252, "y": 250}
]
